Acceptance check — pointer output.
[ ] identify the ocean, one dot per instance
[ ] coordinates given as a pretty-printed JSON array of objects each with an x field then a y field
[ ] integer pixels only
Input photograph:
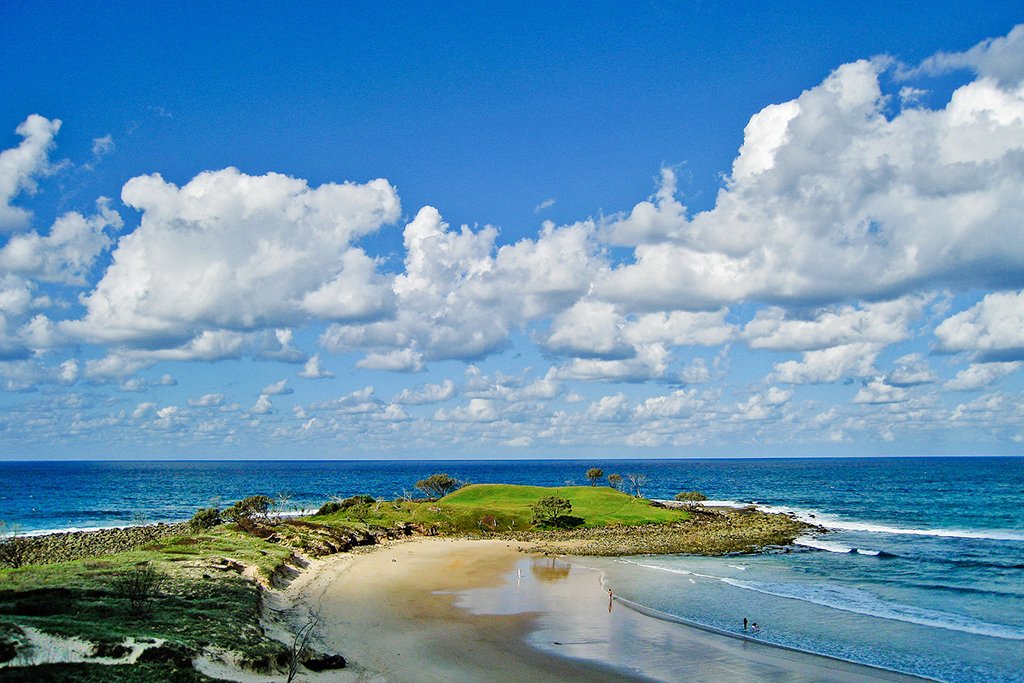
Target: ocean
[{"x": 922, "y": 571}]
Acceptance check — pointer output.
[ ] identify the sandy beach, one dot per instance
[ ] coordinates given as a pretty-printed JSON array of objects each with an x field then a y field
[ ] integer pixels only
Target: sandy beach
[{"x": 457, "y": 610}]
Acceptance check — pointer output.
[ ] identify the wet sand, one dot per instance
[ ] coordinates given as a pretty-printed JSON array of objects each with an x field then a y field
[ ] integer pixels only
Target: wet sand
[{"x": 458, "y": 610}]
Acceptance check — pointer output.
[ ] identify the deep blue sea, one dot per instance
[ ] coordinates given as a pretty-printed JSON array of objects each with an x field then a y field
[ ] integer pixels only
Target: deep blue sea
[{"x": 923, "y": 570}]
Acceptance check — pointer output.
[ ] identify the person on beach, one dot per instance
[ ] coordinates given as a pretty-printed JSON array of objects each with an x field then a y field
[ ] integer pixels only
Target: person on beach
[
  {"x": 610, "y": 596},
  {"x": 744, "y": 623}
]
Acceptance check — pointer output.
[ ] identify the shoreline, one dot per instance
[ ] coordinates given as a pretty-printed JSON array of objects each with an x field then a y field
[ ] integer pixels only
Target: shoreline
[{"x": 466, "y": 609}]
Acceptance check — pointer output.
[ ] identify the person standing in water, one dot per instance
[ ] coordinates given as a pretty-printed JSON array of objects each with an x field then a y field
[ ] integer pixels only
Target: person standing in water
[
  {"x": 744, "y": 623},
  {"x": 610, "y": 596}
]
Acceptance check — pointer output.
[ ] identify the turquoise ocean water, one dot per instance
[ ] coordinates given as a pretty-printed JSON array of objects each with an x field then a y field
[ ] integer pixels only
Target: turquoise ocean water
[{"x": 922, "y": 571}]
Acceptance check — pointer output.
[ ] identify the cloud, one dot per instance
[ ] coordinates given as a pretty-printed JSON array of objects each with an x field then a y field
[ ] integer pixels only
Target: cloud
[
  {"x": 678, "y": 404},
  {"x": 996, "y": 58},
  {"x": 824, "y": 366},
  {"x": 651, "y": 362},
  {"x": 460, "y": 296},
  {"x": 262, "y": 406},
  {"x": 993, "y": 328},
  {"x": 477, "y": 410},
  {"x": 613, "y": 408},
  {"x": 831, "y": 198},
  {"x": 426, "y": 393},
  {"x": 877, "y": 392},
  {"x": 910, "y": 370},
  {"x": 277, "y": 389},
  {"x": 881, "y": 323},
  {"x": 312, "y": 369},
  {"x": 21, "y": 165},
  {"x": 356, "y": 402},
  {"x": 102, "y": 146},
  {"x": 68, "y": 253},
  {"x": 546, "y": 204},
  {"x": 978, "y": 376},
  {"x": 207, "y": 401},
  {"x": 114, "y": 366},
  {"x": 228, "y": 251},
  {"x": 402, "y": 360}
]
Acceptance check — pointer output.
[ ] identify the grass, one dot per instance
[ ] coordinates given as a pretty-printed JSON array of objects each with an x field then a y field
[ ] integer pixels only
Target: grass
[
  {"x": 199, "y": 604},
  {"x": 595, "y": 505},
  {"x": 203, "y": 605},
  {"x": 481, "y": 508}
]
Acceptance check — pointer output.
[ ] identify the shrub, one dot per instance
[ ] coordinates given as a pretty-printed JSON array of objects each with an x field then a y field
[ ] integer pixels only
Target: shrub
[
  {"x": 438, "y": 485},
  {"x": 14, "y": 548},
  {"x": 139, "y": 586},
  {"x": 548, "y": 511},
  {"x": 690, "y": 496},
  {"x": 205, "y": 518},
  {"x": 333, "y": 506},
  {"x": 593, "y": 474},
  {"x": 637, "y": 482},
  {"x": 248, "y": 511}
]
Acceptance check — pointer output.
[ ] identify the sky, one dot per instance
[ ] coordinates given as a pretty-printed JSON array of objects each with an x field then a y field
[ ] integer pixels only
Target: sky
[{"x": 516, "y": 230}]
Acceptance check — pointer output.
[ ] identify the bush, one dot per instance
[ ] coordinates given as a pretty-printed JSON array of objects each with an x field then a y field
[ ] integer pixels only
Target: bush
[
  {"x": 248, "y": 511},
  {"x": 690, "y": 496},
  {"x": 139, "y": 586},
  {"x": 205, "y": 518},
  {"x": 332, "y": 506},
  {"x": 438, "y": 485},
  {"x": 549, "y": 510},
  {"x": 14, "y": 548}
]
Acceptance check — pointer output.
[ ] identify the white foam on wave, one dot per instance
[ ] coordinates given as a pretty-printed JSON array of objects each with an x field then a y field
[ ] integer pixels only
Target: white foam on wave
[
  {"x": 834, "y": 523},
  {"x": 819, "y": 544},
  {"x": 857, "y": 601},
  {"x": 863, "y": 602}
]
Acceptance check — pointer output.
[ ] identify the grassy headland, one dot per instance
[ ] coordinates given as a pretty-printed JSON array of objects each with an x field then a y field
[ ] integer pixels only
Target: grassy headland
[{"x": 209, "y": 599}]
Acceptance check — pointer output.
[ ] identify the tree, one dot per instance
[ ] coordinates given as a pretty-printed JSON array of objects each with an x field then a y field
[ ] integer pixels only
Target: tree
[
  {"x": 438, "y": 485},
  {"x": 615, "y": 481},
  {"x": 690, "y": 496},
  {"x": 638, "y": 482},
  {"x": 549, "y": 510},
  {"x": 301, "y": 640},
  {"x": 205, "y": 518},
  {"x": 593, "y": 474},
  {"x": 248, "y": 511},
  {"x": 139, "y": 586},
  {"x": 14, "y": 547}
]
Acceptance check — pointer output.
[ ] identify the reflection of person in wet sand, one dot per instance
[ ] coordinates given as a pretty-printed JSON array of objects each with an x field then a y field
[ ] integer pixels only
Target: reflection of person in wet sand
[{"x": 610, "y": 599}]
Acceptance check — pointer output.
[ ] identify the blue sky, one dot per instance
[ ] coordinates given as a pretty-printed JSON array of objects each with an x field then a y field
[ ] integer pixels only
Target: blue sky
[{"x": 658, "y": 229}]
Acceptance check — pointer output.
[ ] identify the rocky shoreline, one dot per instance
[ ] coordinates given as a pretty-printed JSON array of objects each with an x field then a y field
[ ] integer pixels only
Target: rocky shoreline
[
  {"x": 709, "y": 531},
  {"x": 67, "y": 546}
]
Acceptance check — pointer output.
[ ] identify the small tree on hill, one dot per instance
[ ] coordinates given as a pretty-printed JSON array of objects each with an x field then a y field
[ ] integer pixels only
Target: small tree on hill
[
  {"x": 637, "y": 482},
  {"x": 593, "y": 474},
  {"x": 13, "y": 546},
  {"x": 549, "y": 510},
  {"x": 248, "y": 511},
  {"x": 205, "y": 518},
  {"x": 615, "y": 481},
  {"x": 438, "y": 485},
  {"x": 139, "y": 586}
]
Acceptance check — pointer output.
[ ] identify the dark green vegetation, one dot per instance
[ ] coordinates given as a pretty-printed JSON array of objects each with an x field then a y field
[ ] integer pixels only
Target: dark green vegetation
[
  {"x": 500, "y": 508},
  {"x": 197, "y": 587}
]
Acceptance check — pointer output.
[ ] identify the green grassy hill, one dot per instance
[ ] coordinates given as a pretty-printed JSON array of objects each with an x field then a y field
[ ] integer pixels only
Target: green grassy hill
[{"x": 595, "y": 505}]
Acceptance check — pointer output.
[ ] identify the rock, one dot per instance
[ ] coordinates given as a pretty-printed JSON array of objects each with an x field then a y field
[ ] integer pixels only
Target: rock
[
  {"x": 324, "y": 662},
  {"x": 110, "y": 650}
]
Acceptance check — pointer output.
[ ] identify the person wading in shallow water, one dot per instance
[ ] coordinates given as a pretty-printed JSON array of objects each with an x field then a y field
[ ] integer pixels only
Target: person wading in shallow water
[
  {"x": 610, "y": 599},
  {"x": 744, "y": 623}
]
